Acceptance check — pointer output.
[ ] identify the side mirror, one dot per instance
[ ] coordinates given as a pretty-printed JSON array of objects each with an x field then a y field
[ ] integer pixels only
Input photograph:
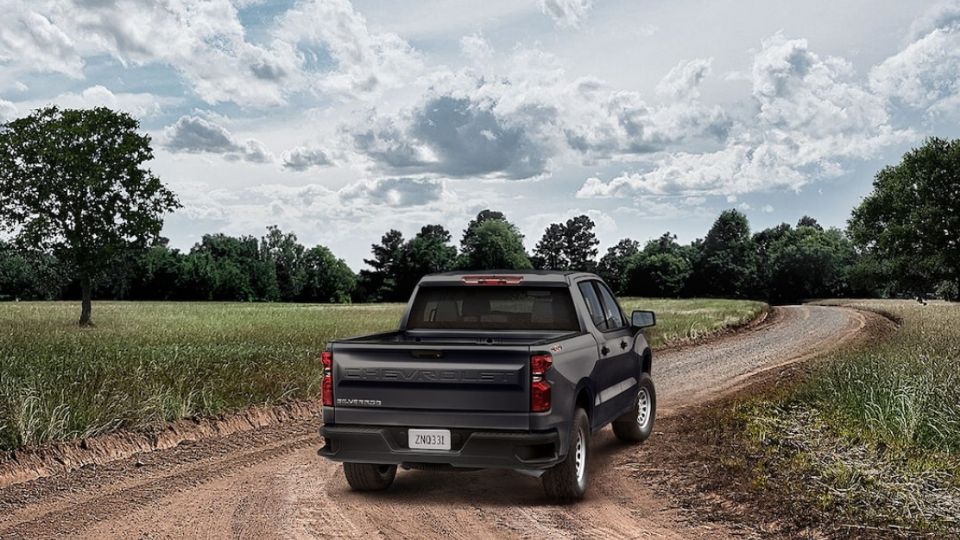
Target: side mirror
[{"x": 643, "y": 319}]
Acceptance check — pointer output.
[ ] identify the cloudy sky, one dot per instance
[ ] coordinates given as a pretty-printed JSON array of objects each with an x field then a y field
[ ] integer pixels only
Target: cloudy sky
[{"x": 340, "y": 120}]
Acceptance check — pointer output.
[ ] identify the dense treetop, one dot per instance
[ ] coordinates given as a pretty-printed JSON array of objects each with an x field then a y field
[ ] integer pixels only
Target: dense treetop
[{"x": 911, "y": 219}]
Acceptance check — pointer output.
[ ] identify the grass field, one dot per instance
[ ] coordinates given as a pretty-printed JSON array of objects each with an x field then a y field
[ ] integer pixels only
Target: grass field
[
  {"x": 904, "y": 391},
  {"x": 148, "y": 363},
  {"x": 873, "y": 434},
  {"x": 687, "y": 320}
]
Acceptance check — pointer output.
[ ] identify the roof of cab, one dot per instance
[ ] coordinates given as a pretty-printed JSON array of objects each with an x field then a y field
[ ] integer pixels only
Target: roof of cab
[{"x": 529, "y": 276}]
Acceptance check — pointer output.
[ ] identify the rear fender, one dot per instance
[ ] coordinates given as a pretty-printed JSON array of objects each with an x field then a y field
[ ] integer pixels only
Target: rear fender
[
  {"x": 582, "y": 397},
  {"x": 585, "y": 398}
]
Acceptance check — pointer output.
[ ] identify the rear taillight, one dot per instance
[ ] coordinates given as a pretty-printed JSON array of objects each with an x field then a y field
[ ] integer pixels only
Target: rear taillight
[
  {"x": 326, "y": 388},
  {"x": 539, "y": 387}
]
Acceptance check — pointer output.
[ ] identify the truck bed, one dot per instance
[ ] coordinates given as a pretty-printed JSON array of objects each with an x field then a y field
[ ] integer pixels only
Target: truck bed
[{"x": 454, "y": 337}]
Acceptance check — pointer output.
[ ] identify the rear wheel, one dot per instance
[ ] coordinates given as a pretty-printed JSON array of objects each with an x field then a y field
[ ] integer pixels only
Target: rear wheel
[
  {"x": 636, "y": 425},
  {"x": 369, "y": 477},
  {"x": 567, "y": 481}
]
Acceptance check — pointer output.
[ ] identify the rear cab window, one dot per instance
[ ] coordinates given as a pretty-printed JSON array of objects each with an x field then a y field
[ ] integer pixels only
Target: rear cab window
[{"x": 459, "y": 307}]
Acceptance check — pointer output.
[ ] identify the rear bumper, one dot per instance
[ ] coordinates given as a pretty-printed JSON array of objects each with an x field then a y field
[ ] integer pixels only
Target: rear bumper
[{"x": 469, "y": 448}]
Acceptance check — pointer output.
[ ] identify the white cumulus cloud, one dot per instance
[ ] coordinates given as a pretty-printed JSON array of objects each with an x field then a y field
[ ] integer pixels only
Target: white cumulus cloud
[
  {"x": 206, "y": 43},
  {"x": 811, "y": 117},
  {"x": 30, "y": 38},
  {"x": 517, "y": 123},
  {"x": 926, "y": 73},
  {"x": 302, "y": 158},
  {"x": 366, "y": 61},
  {"x": 683, "y": 81},
  {"x": 394, "y": 192},
  {"x": 195, "y": 135}
]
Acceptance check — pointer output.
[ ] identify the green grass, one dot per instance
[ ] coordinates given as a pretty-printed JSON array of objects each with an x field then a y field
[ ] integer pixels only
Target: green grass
[
  {"x": 873, "y": 433},
  {"x": 148, "y": 363},
  {"x": 903, "y": 391},
  {"x": 680, "y": 321}
]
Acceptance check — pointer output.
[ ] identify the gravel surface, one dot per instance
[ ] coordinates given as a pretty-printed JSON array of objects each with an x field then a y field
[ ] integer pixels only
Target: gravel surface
[
  {"x": 269, "y": 483},
  {"x": 692, "y": 375}
]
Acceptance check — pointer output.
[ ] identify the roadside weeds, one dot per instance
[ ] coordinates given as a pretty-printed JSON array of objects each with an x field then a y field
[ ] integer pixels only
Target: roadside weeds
[{"x": 763, "y": 458}]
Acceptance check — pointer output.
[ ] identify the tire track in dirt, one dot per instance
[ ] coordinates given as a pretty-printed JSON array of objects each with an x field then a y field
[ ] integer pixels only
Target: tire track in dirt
[
  {"x": 271, "y": 484},
  {"x": 65, "y": 509}
]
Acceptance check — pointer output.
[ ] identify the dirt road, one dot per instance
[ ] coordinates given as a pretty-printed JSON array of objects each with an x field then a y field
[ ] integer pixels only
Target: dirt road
[{"x": 270, "y": 483}]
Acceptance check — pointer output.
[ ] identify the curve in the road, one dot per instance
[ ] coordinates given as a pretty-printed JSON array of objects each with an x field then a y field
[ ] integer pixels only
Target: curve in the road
[{"x": 270, "y": 483}]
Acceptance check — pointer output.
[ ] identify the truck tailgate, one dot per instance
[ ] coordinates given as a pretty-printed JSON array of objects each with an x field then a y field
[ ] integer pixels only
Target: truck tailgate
[{"x": 437, "y": 378}]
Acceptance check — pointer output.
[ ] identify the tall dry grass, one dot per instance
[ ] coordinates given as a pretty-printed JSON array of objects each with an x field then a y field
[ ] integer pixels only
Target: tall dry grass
[{"x": 904, "y": 390}]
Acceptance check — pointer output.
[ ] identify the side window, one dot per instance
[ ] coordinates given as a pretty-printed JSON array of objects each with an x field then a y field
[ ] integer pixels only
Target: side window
[
  {"x": 593, "y": 304},
  {"x": 611, "y": 310}
]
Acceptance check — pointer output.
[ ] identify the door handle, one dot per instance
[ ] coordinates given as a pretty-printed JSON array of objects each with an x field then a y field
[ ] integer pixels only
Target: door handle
[
  {"x": 605, "y": 350},
  {"x": 623, "y": 344}
]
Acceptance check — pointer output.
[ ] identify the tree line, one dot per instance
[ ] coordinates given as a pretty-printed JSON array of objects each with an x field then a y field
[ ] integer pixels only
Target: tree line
[
  {"x": 782, "y": 263},
  {"x": 82, "y": 215},
  {"x": 785, "y": 263},
  {"x": 273, "y": 268}
]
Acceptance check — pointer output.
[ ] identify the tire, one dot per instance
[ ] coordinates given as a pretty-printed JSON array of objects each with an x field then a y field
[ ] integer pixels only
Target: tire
[
  {"x": 567, "y": 480},
  {"x": 369, "y": 477},
  {"x": 636, "y": 425}
]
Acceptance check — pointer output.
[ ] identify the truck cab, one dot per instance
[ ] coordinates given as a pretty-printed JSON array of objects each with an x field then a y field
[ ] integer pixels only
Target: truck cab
[{"x": 511, "y": 369}]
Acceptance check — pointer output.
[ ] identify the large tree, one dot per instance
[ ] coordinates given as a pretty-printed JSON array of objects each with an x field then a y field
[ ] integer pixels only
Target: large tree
[
  {"x": 430, "y": 251},
  {"x": 426, "y": 253},
  {"x": 228, "y": 268},
  {"x": 327, "y": 278},
  {"x": 482, "y": 216},
  {"x": 494, "y": 244},
  {"x": 74, "y": 184},
  {"x": 728, "y": 258},
  {"x": 380, "y": 284},
  {"x": 398, "y": 265},
  {"x": 809, "y": 262},
  {"x": 613, "y": 265},
  {"x": 661, "y": 269},
  {"x": 911, "y": 219},
  {"x": 550, "y": 253},
  {"x": 285, "y": 253},
  {"x": 568, "y": 246},
  {"x": 581, "y": 243},
  {"x": 764, "y": 241},
  {"x": 155, "y": 273}
]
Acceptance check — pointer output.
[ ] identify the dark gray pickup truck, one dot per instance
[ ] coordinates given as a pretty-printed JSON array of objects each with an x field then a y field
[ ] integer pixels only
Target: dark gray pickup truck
[{"x": 501, "y": 369}]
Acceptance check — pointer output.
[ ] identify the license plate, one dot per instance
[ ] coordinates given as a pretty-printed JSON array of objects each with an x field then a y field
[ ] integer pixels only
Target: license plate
[{"x": 429, "y": 439}]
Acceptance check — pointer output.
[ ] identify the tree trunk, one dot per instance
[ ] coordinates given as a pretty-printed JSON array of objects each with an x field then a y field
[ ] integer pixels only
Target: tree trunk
[{"x": 86, "y": 293}]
